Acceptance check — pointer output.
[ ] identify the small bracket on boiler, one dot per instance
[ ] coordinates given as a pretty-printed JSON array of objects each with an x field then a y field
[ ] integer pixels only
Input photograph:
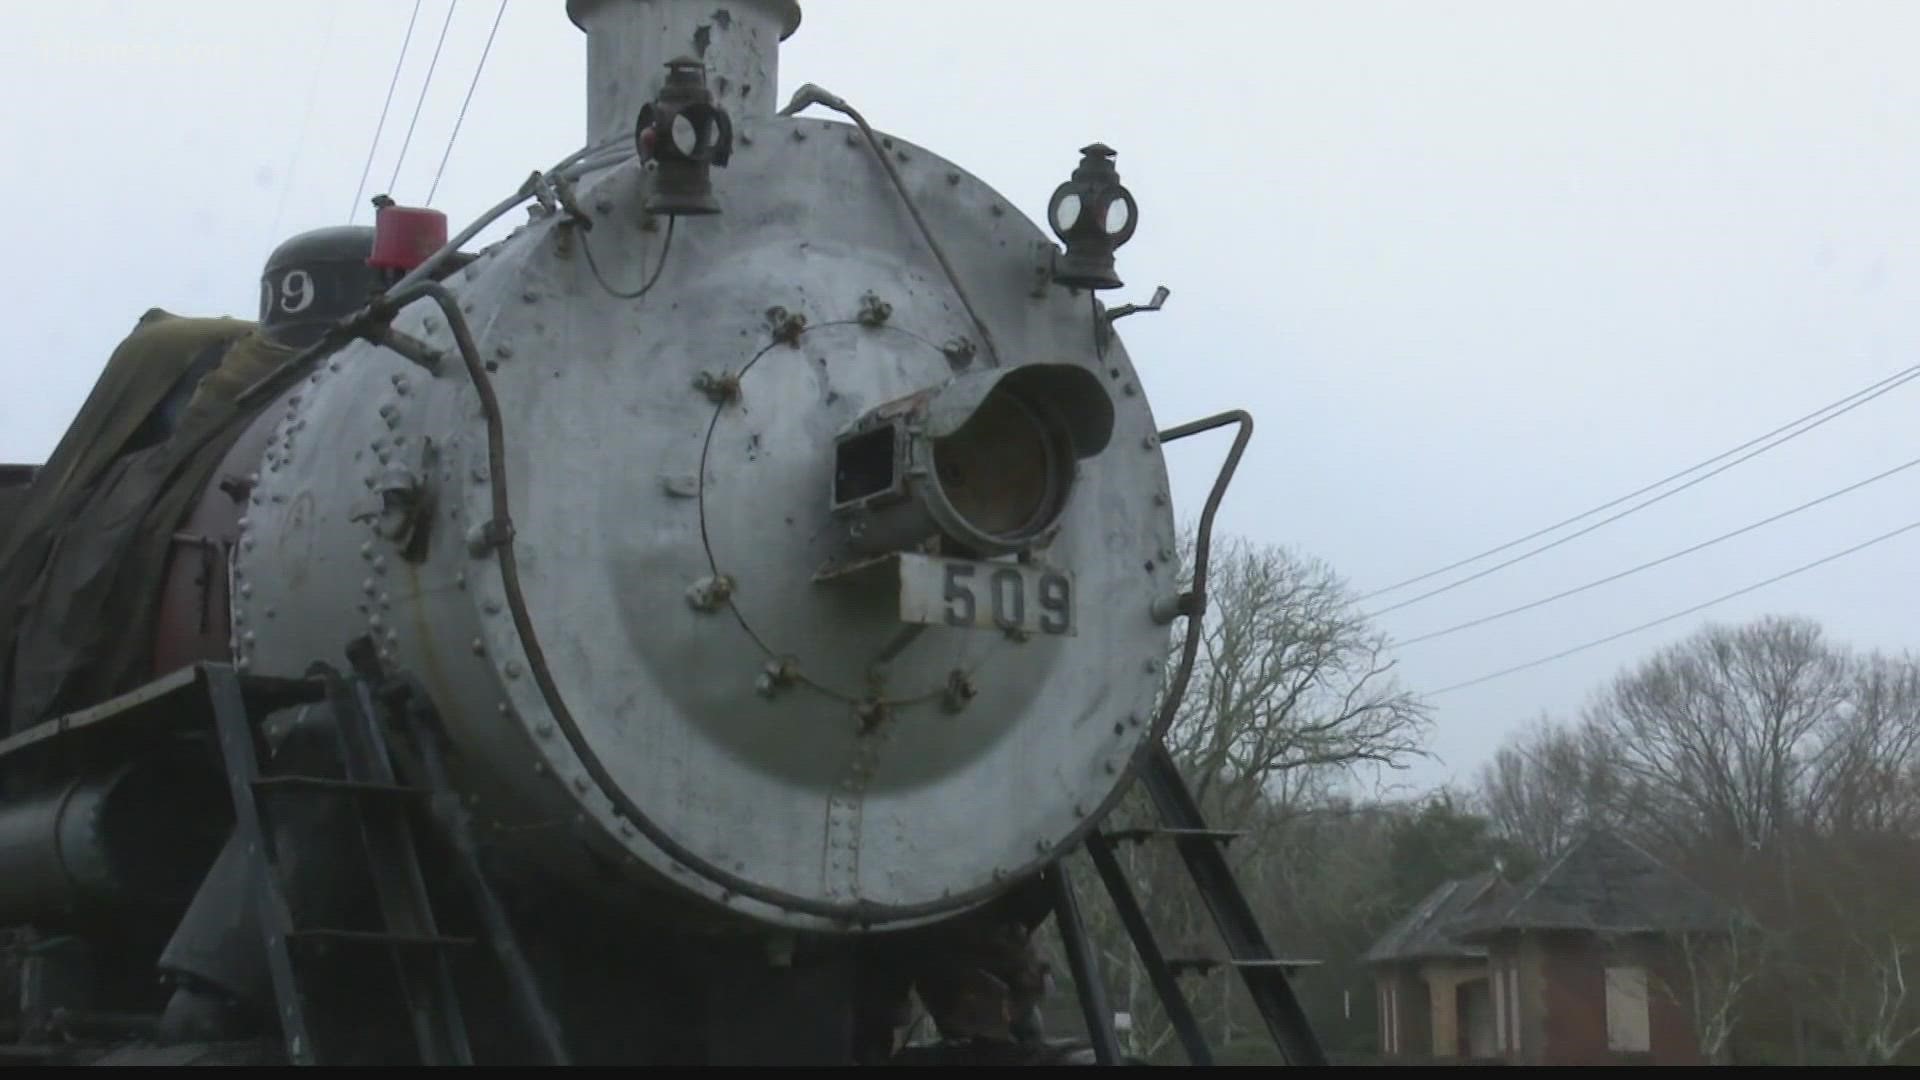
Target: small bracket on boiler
[{"x": 1160, "y": 295}]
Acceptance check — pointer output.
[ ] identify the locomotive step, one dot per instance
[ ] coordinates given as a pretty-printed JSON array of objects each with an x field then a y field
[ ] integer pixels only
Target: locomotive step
[
  {"x": 1159, "y": 831},
  {"x": 1204, "y": 964},
  {"x": 377, "y": 937},
  {"x": 324, "y": 783}
]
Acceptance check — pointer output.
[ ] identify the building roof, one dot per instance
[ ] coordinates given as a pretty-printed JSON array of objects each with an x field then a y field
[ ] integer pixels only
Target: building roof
[
  {"x": 1604, "y": 884},
  {"x": 1428, "y": 930}
]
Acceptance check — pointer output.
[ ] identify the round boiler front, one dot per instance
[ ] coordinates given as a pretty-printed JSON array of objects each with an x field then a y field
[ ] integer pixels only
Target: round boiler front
[{"x": 682, "y": 669}]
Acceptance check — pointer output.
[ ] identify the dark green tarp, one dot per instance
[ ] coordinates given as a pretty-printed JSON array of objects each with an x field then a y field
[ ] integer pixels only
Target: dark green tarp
[{"x": 80, "y": 569}]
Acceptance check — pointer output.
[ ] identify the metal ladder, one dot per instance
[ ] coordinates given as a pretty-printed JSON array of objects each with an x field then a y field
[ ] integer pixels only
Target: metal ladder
[
  {"x": 1263, "y": 973},
  {"x": 410, "y": 933}
]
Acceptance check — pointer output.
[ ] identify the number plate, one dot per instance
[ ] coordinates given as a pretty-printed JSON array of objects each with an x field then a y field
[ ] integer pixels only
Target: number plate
[{"x": 1009, "y": 596}]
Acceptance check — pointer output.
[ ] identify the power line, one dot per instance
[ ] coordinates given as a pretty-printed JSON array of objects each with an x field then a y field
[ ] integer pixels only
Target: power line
[
  {"x": 398, "y": 63},
  {"x": 1663, "y": 559},
  {"x": 422, "y": 99},
  {"x": 477, "y": 69},
  {"x": 1911, "y": 374},
  {"x": 306, "y": 118},
  {"x": 1678, "y": 614},
  {"x": 1896, "y": 378}
]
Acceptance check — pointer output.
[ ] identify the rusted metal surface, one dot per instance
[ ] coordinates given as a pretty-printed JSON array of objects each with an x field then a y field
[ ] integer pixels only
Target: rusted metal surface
[{"x": 192, "y": 622}]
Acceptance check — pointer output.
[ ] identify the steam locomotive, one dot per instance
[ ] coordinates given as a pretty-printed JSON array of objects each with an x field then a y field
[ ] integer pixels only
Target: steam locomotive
[{"x": 759, "y": 569}]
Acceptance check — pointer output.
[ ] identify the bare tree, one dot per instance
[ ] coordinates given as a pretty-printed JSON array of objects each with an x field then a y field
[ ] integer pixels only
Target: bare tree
[
  {"x": 1722, "y": 735},
  {"x": 1553, "y": 781},
  {"x": 1290, "y": 685},
  {"x": 1781, "y": 771},
  {"x": 1718, "y": 971}
]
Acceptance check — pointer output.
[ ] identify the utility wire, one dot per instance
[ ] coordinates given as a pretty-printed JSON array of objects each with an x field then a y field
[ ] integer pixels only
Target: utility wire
[
  {"x": 398, "y": 63},
  {"x": 306, "y": 118},
  {"x": 458, "y": 120},
  {"x": 1663, "y": 559},
  {"x": 1896, "y": 378},
  {"x": 1678, "y": 614},
  {"x": 1911, "y": 374},
  {"x": 422, "y": 99}
]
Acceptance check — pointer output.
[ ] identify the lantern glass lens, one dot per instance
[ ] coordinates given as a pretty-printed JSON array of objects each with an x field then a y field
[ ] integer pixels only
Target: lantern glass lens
[
  {"x": 1066, "y": 213},
  {"x": 1117, "y": 217},
  {"x": 685, "y": 136}
]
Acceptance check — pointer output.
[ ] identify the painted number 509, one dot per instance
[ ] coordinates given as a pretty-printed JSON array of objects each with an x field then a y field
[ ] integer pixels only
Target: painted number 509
[{"x": 1006, "y": 597}]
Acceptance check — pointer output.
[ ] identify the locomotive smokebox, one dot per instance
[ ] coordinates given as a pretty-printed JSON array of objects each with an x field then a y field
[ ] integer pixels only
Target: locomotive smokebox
[
  {"x": 986, "y": 460},
  {"x": 631, "y": 42}
]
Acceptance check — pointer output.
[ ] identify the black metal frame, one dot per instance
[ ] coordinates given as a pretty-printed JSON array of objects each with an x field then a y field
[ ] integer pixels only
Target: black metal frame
[
  {"x": 1264, "y": 974},
  {"x": 229, "y": 705}
]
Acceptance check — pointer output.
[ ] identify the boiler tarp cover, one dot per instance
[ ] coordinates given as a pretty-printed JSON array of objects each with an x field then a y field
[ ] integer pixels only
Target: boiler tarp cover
[{"x": 80, "y": 566}]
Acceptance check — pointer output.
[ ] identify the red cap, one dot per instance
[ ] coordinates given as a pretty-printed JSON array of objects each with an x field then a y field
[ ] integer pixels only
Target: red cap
[{"x": 405, "y": 236}]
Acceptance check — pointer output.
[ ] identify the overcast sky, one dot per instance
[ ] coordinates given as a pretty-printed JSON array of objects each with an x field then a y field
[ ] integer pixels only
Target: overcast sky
[{"x": 1474, "y": 267}]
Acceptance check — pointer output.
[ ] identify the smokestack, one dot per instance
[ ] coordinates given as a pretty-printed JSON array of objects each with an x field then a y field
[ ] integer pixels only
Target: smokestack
[{"x": 630, "y": 41}]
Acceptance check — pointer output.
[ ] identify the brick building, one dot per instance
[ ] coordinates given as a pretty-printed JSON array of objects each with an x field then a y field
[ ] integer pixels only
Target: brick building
[{"x": 1577, "y": 965}]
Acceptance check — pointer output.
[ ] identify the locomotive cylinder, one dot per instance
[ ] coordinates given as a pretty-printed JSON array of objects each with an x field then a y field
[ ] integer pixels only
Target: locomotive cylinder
[{"x": 104, "y": 839}]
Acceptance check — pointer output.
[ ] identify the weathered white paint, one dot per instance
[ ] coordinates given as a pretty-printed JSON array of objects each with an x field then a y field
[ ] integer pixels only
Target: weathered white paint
[
  {"x": 630, "y": 486},
  {"x": 629, "y": 43}
]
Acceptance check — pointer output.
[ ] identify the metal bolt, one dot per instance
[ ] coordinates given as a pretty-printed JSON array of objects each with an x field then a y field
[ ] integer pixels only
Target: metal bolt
[
  {"x": 513, "y": 669},
  {"x": 503, "y": 351},
  {"x": 479, "y": 649}
]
